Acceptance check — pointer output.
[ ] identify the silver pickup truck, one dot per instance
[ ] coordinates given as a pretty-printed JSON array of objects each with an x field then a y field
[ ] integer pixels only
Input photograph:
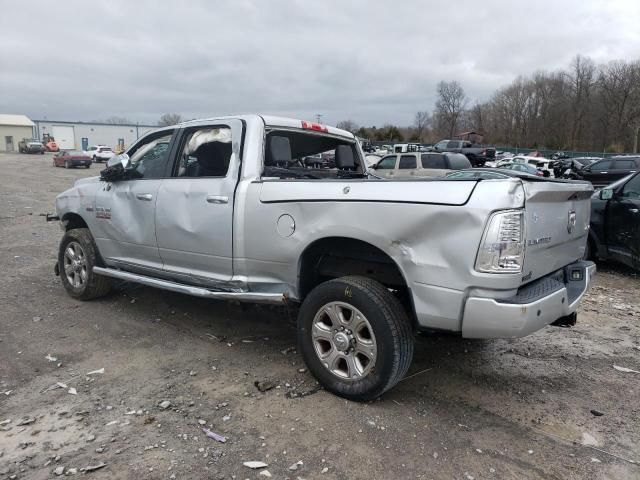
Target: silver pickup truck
[{"x": 226, "y": 208}]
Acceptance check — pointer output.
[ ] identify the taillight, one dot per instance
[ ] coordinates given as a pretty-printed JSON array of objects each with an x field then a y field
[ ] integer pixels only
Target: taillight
[
  {"x": 314, "y": 126},
  {"x": 502, "y": 247}
]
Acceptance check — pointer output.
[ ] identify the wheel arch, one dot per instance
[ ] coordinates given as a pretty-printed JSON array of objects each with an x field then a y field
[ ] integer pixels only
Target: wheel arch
[
  {"x": 71, "y": 220},
  {"x": 338, "y": 256}
]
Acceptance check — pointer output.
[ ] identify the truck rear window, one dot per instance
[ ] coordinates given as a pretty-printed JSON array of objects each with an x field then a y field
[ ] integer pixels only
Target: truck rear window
[{"x": 301, "y": 154}]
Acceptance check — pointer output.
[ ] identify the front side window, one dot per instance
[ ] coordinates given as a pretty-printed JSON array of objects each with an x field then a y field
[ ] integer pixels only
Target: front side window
[
  {"x": 149, "y": 158},
  {"x": 206, "y": 152},
  {"x": 387, "y": 163},
  {"x": 632, "y": 188},
  {"x": 442, "y": 144},
  {"x": 407, "y": 162},
  {"x": 600, "y": 166},
  {"x": 453, "y": 144}
]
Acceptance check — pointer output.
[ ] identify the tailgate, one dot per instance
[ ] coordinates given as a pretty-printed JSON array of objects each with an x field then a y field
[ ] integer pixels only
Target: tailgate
[{"x": 557, "y": 225}]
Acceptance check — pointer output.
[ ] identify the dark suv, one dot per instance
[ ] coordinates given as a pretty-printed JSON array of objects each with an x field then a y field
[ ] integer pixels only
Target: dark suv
[
  {"x": 615, "y": 222},
  {"x": 609, "y": 170}
]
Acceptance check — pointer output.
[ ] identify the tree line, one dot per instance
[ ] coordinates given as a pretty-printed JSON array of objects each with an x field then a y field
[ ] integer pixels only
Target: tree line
[{"x": 585, "y": 107}]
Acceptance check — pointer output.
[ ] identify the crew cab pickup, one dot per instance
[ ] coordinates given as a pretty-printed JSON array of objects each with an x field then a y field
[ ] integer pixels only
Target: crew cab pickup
[
  {"x": 30, "y": 145},
  {"x": 477, "y": 154},
  {"x": 225, "y": 208}
]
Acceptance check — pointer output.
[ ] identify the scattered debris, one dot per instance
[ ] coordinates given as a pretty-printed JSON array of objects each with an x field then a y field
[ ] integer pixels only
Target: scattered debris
[
  {"x": 588, "y": 439},
  {"x": 59, "y": 471},
  {"x": 5, "y": 422},
  {"x": 226, "y": 418},
  {"x": 214, "y": 435},
  {"x": 265, "y": 385},
  {"x": 50, "y": 358},
  {"x": 37, "y": 319},
  {"x": 295, "y": 466},
  {"x": 73, "y": 391},
  {"x": 288, "y": 350},
  {"x": 625, "y": 369},
  {"x": 595, "y": 460},
  {"x": 265, "y": 473},
  {"x": 193, "y": 373},
  {"x": 164, "y": 404},
  {"x": 255, "y": 464},
  {"x": 91, "y": 468},
  {"x": 149, "y": 420},
  {"x": 324, "y": 470},
  {"x": 202, "y": 422},
  {"x": 596, "y": 413},
  {"x": 305, "y": 393},
  {"x": 96, "y": 372},
  {"x": 26, "y": 421},
  {"x": 113, "y": 422}
]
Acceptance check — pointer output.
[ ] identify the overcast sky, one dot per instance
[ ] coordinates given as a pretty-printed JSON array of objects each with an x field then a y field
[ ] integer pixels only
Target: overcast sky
[{"x": 370, "y": 61}]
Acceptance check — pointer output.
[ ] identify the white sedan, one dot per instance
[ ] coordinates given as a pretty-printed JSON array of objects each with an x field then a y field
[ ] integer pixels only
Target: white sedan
[{"x": 100, "y": 153}]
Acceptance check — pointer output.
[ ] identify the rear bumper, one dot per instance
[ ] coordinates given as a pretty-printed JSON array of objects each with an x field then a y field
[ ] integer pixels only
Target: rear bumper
[
  {"x": 79, "y": 163},
  {"x": 535, "y": 305}
]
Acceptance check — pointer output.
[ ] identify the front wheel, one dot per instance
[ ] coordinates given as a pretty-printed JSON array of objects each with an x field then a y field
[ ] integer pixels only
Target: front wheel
[
  {"x": 77, "y": 256},
  {"x": 355, "y": 337}
]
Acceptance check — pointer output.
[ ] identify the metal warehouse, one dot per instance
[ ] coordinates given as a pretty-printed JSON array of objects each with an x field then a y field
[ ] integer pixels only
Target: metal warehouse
[
  {"x": 81, "y": 135},
  {"x": 14, "y": 128}
]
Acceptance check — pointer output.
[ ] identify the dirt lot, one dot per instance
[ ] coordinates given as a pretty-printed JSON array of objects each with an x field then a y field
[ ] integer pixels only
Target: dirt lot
[{"x": 491, "y": 409}]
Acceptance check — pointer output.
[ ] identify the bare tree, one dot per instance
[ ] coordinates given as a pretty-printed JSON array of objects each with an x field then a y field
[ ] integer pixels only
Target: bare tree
[
  {"x": 115, "y": 120},
  {"x": 581, "y": 80},
  {"x": 169, "y": 119},
  {"x": 348, "y": 125},
  {"x": 421, "y": 123},
  {"x": 450, "y": 104}
]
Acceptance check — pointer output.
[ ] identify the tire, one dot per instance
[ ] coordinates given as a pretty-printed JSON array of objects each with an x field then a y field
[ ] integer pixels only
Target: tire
[
  {"x": 54, "y": 163},
  {"x": 385, "y": 334},
  {"x": 95, "y": 159},
  {"x": 78, "y": 278},
  {"x": 87, "y": 166}
]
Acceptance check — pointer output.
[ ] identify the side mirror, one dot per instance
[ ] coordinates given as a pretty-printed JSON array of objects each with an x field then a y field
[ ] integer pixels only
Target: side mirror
[
  {"x": 606, "y": 194},
  {"x": 122, "y": 159}
]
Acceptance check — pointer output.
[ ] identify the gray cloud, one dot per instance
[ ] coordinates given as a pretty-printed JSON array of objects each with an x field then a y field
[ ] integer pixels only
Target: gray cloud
[{"x": 370, "y": 61}]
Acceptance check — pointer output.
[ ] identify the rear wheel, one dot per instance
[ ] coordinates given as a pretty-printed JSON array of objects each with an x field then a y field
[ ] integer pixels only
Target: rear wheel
[
  {"x": 355, "y": 337},
  {"x": 76, "y": 258}
]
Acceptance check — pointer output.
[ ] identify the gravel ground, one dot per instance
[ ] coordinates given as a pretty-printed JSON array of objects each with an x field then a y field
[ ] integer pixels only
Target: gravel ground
[{"x": 551, "y": 405}]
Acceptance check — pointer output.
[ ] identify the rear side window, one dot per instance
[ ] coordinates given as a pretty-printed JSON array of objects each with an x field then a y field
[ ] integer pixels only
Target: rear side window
[
  {"x": 407, "y": 162},
  {"x": 453, "y": 144},
  {"x": 624, "y": 165},
  {"x": 600, "y": 166},
  {"x": 387, "y": 163},
  {"x": 458, "y": 162},
  {"x": 433, "y": 161}
]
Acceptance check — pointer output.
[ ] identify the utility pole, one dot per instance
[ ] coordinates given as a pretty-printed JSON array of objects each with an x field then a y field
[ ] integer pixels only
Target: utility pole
[
  {"x": 635, "y": 140},
  {"x": 318, "y": 117}
]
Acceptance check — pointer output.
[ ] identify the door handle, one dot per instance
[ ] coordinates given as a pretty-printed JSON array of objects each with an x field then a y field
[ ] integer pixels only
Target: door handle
[
  {"x": 217, "y": 199},
  {"x": 147, "y": 197}
]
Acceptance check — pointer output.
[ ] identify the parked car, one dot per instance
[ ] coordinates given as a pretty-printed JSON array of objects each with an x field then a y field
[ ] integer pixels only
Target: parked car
[
  {"x": 430, "y": 164},
  {"x": 30, "y": 145},
  {"x": 565, "y": 168},
  {"x": 608, "y": 170},
  {"x": 615, "y": 222},
  {"x": 524, "y": 168},
  {"x": 71, "y": 158},
  {"x": 477, "y": 154},
  {"x": 218, "y": 209},
  {"x": 100, "y": 153}
]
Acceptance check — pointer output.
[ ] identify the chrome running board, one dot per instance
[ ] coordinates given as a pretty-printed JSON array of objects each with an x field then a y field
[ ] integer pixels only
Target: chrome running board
[{"x": 254, "y": 297}]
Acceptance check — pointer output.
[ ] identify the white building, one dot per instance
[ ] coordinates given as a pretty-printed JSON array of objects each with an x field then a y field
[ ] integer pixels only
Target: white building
[
  {"x": 81, "y": 135},
  {"x": 14, "y": 128}
]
